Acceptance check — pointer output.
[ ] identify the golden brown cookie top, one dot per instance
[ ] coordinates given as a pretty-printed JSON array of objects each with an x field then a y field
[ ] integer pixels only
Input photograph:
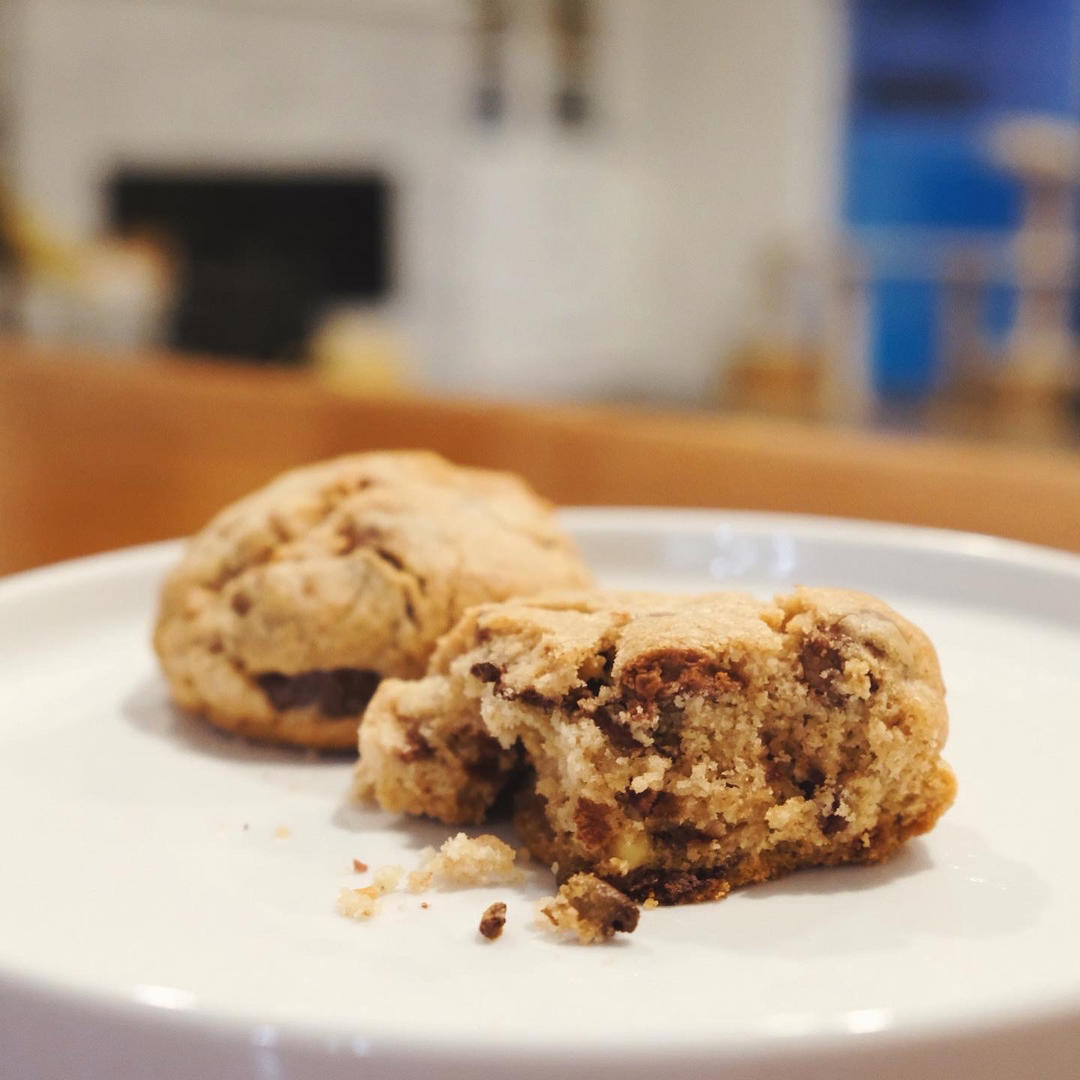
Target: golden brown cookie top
[{"x": 548, "y": 645}]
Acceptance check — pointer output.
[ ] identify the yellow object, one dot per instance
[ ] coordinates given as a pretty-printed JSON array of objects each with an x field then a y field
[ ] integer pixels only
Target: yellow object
[
  {"x": 38, "y": 249},
  {"x": 357, "y": 353}
]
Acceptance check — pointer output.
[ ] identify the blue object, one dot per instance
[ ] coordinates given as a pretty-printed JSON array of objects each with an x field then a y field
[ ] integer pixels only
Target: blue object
[
  {"x": 904, "y": 336},
  {"x": 928, "y": 79}
]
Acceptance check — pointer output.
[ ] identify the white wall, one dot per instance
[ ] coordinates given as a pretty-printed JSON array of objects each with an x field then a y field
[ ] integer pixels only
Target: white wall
[
  {"x": 532, "y": 260},
  {"x": 744, "y": 126}
]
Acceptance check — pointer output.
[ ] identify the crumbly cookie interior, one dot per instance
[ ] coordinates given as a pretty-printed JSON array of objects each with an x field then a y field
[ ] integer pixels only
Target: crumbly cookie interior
[{"x": 675, "y": 747}]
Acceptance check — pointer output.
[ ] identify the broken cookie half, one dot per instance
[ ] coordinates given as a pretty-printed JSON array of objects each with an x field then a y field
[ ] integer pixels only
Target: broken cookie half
[{"x": 674, "y": 746}]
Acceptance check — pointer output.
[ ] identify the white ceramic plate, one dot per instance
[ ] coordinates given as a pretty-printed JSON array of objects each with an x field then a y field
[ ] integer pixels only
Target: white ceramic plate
[{"x": 153, "y": 923}]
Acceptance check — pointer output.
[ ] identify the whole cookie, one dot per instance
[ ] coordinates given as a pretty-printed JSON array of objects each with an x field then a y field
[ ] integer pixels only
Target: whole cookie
[{"x": 291, "y": 604}]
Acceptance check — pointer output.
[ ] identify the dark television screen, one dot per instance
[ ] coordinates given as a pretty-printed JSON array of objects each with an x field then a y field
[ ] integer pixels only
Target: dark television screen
[{"x": 260, "y": 253}]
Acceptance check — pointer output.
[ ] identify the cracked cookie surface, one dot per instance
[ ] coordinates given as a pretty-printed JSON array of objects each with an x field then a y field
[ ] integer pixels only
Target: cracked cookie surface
[
  {"x": 675, "y": 746},
  {"x": 292, "y": 604}
]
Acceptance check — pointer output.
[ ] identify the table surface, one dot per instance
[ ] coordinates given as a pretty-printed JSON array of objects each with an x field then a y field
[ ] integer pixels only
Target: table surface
[{"x": 99, "y": 451}]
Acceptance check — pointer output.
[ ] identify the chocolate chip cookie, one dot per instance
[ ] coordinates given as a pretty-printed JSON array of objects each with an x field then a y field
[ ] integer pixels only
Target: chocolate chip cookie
[
  {"x": 292, "y": 604},
  {"x": 675, "y": 746}
]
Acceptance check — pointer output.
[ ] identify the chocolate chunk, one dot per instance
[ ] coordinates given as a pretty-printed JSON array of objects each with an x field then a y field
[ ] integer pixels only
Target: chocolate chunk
[
  {"x": 531, "y": 696},
  {"x": 388, "y": 556},
  {"x": 493, "y": 920},
  {"x": 352, "y": 536},
  {"x": 279, "y": 528},
  {"x": 486, "y": 760},
  {"x": 337, "y": 693},
  {"x": 813, "y": 780},
  {"x": 417, "y": 747},
  {"x": 615, "y": 730},
  {"x": 675, "y": 886},
  {"x": 607, "y": 910},
  {"x": 595, "y": 671},
  {"x": 833, "y": 824},
  {"x": 667, "y": 735},
  {"x": 667, "y": 672},
  {"x": 528, "y": 696},
  {"x": 680, "y": 836},
  {"x": 347, "y": 691},
  {"x": 585, "y": 692},
  {"x": 591, "y": 821},
  {"x": 637, "y": 806},
  {"x": 822, "y": 665},
  {"x": 486, "y": 672},
  {"x": 608, "y": 656}
]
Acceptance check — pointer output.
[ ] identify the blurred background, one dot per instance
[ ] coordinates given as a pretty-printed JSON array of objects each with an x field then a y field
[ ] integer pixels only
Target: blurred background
[{"x": 854, "y": 213}]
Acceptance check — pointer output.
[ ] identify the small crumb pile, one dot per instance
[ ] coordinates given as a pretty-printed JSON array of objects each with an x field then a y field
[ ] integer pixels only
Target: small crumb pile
[
  {"x": 588, "y": 907},
  {"x": 585, "y": 905},
  {"x": 493, "y": 920},
  {"x": 362, "y": 903},
  {"x": 461, "y": 861}
]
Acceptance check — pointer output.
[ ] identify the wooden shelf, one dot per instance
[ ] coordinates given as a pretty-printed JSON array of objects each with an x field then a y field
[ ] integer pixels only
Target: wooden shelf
[{"x": 99, "y": 452}]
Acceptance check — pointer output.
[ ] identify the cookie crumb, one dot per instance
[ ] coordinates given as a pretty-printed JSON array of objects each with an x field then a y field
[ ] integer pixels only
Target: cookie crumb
[
  {"x": 493, "y": 920},
  {"x": 357, "y": 904},
  {"x": 588, "y": 907},
  {"x": 424, "y": 904},
  {"x": 363, "y": 903},
  {"x": 651, "y": 903},
  {"x": 419, "y": 880},
  {"x": 387, "y": 878},
  {"x": 283, "y": 832},
  {"x": 463, "y": 861},
  {"x": 359, "y": 867}
]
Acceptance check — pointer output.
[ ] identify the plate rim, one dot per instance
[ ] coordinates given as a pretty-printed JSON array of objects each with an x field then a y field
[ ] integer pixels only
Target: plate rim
[{"x": 595, "y": 518}]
